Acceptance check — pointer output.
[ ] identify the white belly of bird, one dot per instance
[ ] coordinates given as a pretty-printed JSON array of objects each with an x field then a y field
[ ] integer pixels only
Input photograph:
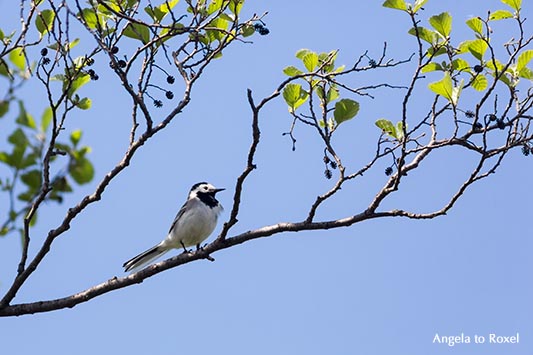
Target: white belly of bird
[{"x": 193, "y": 228}]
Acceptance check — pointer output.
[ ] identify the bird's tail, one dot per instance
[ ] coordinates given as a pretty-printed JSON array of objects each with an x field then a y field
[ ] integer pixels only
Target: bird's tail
[{"x": 144, "y": 258}]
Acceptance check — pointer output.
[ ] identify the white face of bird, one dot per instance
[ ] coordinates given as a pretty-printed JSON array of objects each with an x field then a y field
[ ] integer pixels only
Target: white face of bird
[{"x": 203, "y": 188}]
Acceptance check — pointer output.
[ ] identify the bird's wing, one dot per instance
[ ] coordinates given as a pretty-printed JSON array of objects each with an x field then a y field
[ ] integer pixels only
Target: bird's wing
[{"x": 178, "y": 216}]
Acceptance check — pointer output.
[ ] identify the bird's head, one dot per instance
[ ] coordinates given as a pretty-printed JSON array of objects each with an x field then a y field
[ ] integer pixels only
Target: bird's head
[{"x": 203, "y": 188}]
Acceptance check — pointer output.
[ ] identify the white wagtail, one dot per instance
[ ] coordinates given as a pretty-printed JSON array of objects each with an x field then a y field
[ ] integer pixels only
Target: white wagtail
[{"x": 194, "y": 222}]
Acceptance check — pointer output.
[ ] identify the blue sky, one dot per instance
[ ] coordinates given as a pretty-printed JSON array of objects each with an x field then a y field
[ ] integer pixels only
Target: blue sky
[{"x": 384, "y": 286}]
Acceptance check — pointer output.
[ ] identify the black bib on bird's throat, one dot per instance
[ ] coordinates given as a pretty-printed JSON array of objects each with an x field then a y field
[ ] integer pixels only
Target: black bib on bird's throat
[{"x": 207, "y": 198}]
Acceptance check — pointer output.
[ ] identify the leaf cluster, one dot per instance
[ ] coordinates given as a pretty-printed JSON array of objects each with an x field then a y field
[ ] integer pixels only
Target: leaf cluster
[
  {"x": 471, "y": 62},
  {"x": 319, "y": 71},
  {"x": 39, "y": 167},
  {"x": 24, "y": 161}
]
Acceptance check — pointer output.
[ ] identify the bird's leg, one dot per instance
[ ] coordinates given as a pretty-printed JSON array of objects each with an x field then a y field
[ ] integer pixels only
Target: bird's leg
[
  {"x": 208, "y": 257},
  {"x": 184, "y": 248}
]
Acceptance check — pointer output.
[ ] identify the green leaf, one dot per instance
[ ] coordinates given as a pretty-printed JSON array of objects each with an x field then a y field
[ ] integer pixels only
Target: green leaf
[
  {"x": 443, "y": 87},
  {"x": 25, "y": 196},
  {"x": 526, "y": 73},
  {"x": 16, "y": 56},
  {"x": 515, "y": 4},
  {"x": 248, "y": 30},
  {"x": 4, "y": 69},
  {"x": 79, "y": 62},
  {"x": 418, "y": 5},
  {"x": 310, "y": 60},
  {"x": 387, "y": 127},
  {"x": 18, "y": 138},
  {"x": 7, "y": 38},
  {"x": 214, "y": 6},
  {"x": 59, "y": 77},
  {"x": 500, "y": 15},
  {"x": 221, "y": 26},
  {"x": 294, "y": 95},
  {"x": 75, "y": 137},
  {"x": 320, "y": 92},
  {"x": 73, "y": 44},
  {"x": 5, "y": 158},
  {"x": 345, "y": 110},
  {"x": 395, "y": 4},
  {"x": 327, "y": 61},
  {"x": 399, "y": 130},
  {"x": 330, "y": 123},
  {"x": 300, "y": 54},
  {"x": 480, "y": 82},
  {"x": 81, "y": 170},
  {"x": 328, "y": 96},
  {"x": 292, "y": 71},
  {"x": 227, "y": 17},
  {"x": 154, "y": 13},
  {"x": 432, "y": 67},
  {"x": 442, "y": 23},
  {"x": 44, "y": 21},
  {"x": 332, "y": 95},
  {"x": 61, "y": 184},
  {"x": 456, "y": 92},
  {"x": 437, "y": 50},
  {"x": 82, "y": 79},
  {"x": 109, "y": 9},
  {"x": 506, "y": 79},
  {"x": 291, "y": 93},
  {"x": 46, "y": 118},
  {"x": 17, "y": 157},
  {"x": 166, "y": 7},
  {"x": 476, "y": 47},
  {"x": 497, "y": 69},
  {"x": 3, "y": 231},
  {"x": 424, "y": 34},
  {"x": 475, "y": 24},
  {"x": 523, "y": 59},
  {"x": 170, "y": 32},
  {"x": 64, "y": 48},
  {"x": 24, "y": 118},
  {"x": 32, "y": 179},
  {"x": 460, "y": 64},
  {"x": 495, "y": 65},
  {"x": 81, "y": 152},
  {"x": 339, "y": 69},
  {"x": 137, "y": 31},
  {"x": 91, "y": 18},
  {"x": 235, "y": 6},
  {"x": 84, "y": 103},
  {"x": 4, "y": 107}
]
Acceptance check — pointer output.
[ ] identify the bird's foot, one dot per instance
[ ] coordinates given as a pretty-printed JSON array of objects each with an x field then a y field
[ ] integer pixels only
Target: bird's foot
[
  {"x": 201, "y": 248},
  {"x": 185, "y": 250}
]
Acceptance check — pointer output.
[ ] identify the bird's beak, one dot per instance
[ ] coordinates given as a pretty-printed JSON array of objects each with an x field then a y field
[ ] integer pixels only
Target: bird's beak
[{"x": 218, "y": 190}]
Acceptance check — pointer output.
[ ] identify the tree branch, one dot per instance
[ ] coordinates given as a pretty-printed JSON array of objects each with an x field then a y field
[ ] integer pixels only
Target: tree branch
[{"x": 116, "y": 283}]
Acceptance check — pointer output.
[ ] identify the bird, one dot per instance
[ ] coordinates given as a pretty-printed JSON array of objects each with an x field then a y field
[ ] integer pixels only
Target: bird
[{"x": 194, "y": 222}]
